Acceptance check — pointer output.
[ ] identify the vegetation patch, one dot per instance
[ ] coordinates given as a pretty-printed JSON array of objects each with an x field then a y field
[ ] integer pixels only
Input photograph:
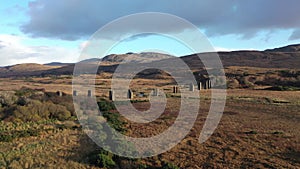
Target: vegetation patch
[
  {"x": 9, "y": 136},
  {"x": 251, "y": 132},
  {"x": 101, "y": 158},
  {"x": 283, "y": 88},
  {"x": 277, "y": 132},
  {"x": 31, "y": 105},
  {"x": 169, "y": 166}
]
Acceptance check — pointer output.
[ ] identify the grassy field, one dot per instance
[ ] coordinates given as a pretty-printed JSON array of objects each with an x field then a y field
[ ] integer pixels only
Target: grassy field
[{"x": 259, "y": 129}]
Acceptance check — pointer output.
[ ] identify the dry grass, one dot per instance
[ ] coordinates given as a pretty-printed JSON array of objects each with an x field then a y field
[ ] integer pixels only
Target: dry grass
[
  {"x": 251, "y": 134},
  {"x": 259, "y": 129},
  {"x": 53, "y": 148}
]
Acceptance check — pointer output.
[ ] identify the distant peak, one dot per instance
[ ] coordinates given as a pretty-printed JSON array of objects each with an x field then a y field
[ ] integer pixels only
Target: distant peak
[
  {"x": 143, "y": 57},
  {"x": 56, "y": 64},
  {"x": 289, "y": 48}
]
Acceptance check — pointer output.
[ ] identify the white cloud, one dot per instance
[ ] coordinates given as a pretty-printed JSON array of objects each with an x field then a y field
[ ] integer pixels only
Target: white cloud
[{"x": 12, "y": 51}]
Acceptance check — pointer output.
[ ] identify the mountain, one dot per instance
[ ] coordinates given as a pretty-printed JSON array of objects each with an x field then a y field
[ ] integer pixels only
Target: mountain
[
  {"x": 92, "y": 60},
  {"x": 284, "y": 57},
  {"x": 289, "y": 48},
  {"x": 26, "y": 69},
  {"x": 57, "y": 64},
  {"x": 261, "y": 59},
  {"x": 144, "y": 57}
]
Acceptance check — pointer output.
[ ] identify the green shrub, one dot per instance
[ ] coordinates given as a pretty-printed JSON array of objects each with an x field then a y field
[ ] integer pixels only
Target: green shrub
[
  {"x": 7, "y": 99},
  {"x": 289, "y": 73},
  {"x": 283, "y": 88},
  {"x": 69, "y": 106},
  {"x": 101, "y": 158},
  {"x": 28, "y": 105},
  {"x": 138, "y": 101},
  {"x": 169, "y": 166},
  {"x": 62, "y": 114},
  {"x": 5, "y": 137},
  {"x": 106, "y": 106},
  {"x": 114, "y": 121},
  {"x": 105, "y": 161},
  {"x": 112, "y": 118},
  {"x": 36, "y": 111},
  {"x": 11, "y": 135},
  {"x": 24, "y": 91},
  {"x": 142, "y": 166},
  {"x": 21, "y": 101}
]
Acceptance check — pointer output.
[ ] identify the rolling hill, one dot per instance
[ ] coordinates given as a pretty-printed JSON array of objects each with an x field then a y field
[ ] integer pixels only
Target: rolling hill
[
  {"x": 285, "y": 57},
  {"x": 289, "y": 48}
]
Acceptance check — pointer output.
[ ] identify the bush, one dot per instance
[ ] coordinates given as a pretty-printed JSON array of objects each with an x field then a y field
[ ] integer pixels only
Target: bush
[
  {"x": 283, "y": 88},
  {"x": 28, "y": 105},
  {"x": 7, "y": 99},
  {"x": 102, "y": 158},
  {"x": 289, "y": 73},
  {"x": 106, "y": 106},
  {"x": 24, "y": 91},
  {"x": 70, "y": 107},
  {"x": 114, "y": 121},
  {"x": 26, "y": 113},
  {"x": 66, "y": 101},
  {"x": 36, "y": 111},
  {"x": 169, "y": 166},
  {"x": 105, "y": 161},
  {"x": 138, "y": 101},
  {"x": 5, "y": 137},
  {"x": 58, "y": 111},
  {"x": 22, "y": 101},
  {"x": 9, "y": 136}
]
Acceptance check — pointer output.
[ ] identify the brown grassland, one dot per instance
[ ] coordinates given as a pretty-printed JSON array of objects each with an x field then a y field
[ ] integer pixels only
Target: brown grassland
[{"x": 259, "y": 128}]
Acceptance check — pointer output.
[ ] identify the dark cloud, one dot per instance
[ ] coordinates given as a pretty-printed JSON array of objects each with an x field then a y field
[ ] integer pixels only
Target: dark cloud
[{"x": 74, "y": 19}]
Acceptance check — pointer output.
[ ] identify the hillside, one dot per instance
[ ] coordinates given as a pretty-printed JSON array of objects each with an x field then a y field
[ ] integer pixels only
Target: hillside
[
  {"x": 57, "y": 64},
  {"x": 27, "y": 69},
  {"x": 286, "y": 58},
  {"x": 143, "y": 57},
  {"x": 289, "y": 48},
  {"x": 262, "y": 59}
]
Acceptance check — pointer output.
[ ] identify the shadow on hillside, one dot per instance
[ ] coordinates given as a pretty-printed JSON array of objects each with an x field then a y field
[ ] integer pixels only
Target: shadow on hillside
[{"x": 291, "y": 155}]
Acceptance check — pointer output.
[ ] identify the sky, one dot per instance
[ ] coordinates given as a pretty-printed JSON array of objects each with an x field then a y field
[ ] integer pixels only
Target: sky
[{"x": 43, "y": 31}]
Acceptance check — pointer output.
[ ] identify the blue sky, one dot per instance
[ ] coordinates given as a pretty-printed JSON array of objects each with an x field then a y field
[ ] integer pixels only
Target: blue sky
[{"x": 43, "y": 31}]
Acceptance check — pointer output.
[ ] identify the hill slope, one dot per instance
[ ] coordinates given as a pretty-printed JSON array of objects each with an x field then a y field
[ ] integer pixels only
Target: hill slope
[
  {"x": 289, "y": 48},
  {"x": 27, "y": 69},
  {"x": 286, "y": 57},
  {"x": 262, "y": 59},
  {"x": 144, "y": 57}
]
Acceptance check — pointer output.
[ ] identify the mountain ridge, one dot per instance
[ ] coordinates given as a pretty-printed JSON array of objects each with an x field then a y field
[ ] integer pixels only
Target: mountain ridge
[
  {"x": 288, "y": 48},
  {"x": 282, "y": 57}
]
